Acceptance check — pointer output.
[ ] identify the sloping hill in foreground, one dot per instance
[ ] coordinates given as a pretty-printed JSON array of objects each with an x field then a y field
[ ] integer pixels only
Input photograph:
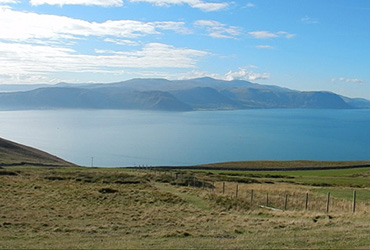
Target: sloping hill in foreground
[{"x": 13, "y": 154}]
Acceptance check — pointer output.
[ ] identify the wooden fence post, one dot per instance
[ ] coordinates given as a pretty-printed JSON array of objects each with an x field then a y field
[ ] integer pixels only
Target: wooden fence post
[
  {"x": 252, "y": 193},
  {"x": 223, "y": 187},
  {"x": 306, "y": 202},
  {"x": 354, "y": 202},
  {"x": 286, "y": 201},
  {"x": 327, "y": 203},
  {"x": 236, "y": 191},
  {"x": 267, "y": 199}
]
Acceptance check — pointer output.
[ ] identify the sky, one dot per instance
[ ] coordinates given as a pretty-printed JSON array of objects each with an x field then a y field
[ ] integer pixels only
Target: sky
[{"x": 307, "y": 45}]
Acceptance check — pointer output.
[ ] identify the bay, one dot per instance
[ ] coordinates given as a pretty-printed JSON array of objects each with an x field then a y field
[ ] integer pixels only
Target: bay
[{"x": 119, "y": 138}]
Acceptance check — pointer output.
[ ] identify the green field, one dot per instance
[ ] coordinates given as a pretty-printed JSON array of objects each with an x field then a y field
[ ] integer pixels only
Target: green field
[
  {"x": 284, "y": 164},
  {"x": 102, "y": 208}
]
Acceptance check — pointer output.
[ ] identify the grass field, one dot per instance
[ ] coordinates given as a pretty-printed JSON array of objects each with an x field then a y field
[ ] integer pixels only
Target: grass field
[
  {"x": 98, "y": 208},
  {"x": 284, "y": 164}
]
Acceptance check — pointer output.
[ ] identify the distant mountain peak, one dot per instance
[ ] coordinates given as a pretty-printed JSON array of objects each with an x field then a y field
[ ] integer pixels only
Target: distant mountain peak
[
  {"x": 176, "y": 95},
  {"x": 205, "y": 78},
  {"x": 147, "y": 79}
]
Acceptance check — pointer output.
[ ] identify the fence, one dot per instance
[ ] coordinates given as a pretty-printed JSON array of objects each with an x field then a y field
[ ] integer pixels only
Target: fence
[
  {"x": 272, "y": 199},
  {"x": 290, "y": 200}
]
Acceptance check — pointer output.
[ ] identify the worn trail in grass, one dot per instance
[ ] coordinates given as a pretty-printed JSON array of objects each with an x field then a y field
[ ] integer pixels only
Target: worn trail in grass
[{"x": 191, "y": 198}]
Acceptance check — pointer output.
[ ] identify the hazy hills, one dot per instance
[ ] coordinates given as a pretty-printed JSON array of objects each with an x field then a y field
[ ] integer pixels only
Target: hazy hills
[{"x": 162, "y": 94}]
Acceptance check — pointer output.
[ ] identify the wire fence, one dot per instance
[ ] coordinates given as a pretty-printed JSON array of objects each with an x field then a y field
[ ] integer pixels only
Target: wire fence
[
  {"x": 292, "y": 199},
  {"x": 271, "y": 197}
]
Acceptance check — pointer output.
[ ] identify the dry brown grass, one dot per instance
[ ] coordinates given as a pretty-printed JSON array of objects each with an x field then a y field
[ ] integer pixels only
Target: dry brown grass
[{"x": 70, "y": 210}]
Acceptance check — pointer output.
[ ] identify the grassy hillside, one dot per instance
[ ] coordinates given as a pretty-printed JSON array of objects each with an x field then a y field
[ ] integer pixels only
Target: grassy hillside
[
  {"x": 92, "y": 208},
  {"x": 17, "y": 154}
]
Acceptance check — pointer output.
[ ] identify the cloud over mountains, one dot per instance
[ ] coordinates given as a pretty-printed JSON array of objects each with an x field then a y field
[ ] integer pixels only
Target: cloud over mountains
[{"x": 48, "y": 41}]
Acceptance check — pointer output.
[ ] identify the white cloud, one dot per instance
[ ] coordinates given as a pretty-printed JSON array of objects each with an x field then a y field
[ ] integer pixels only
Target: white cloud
[
  {"x": 36, "y": 46},
  {"x": 178, "y": 27},
  {"x": 22, "y": 26},
  {"x": 208, "y": 6},
  {"x": 8, "y": 1},
  {"x": 23, "y": 59},
  {"x": 249, "y": 5},
  {"x": 285, "y": 34},
  {"x": 263, "y": 34},
  {"x": 309, "y": 20},
  {"x": 198, "y": 4},
  {"x": 104, "y": 3},
  {"x": 348, "y": 80},
  {"x": 122, "y": 42},
  {"x": 264, "y": 47},
  {"x": 217, "y": 29},
  {"x": 245, "y": 74},
  {"x": 241, "y": 74},
  {"x": 196, "y": 74},
  {"x": 26, "y": 78}
]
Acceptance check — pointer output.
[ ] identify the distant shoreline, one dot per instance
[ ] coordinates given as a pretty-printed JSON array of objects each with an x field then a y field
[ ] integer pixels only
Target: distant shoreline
[
  {"x": 200, "y": 167},
  {"x": 225, "y": 166}
]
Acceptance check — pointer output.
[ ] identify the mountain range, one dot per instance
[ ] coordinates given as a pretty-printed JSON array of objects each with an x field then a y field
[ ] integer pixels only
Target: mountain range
[{"x": 161, "y": 94}]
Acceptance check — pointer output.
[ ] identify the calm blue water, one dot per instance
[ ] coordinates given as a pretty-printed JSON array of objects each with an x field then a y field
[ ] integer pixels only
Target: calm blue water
[{"x": 132, "y": 138}]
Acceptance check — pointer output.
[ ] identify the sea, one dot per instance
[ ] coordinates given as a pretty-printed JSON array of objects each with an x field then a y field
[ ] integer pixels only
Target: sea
[{"x": 123, "y": 138}]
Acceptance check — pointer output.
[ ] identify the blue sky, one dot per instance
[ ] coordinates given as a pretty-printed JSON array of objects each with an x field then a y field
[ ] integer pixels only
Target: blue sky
[{"x": 304, "y": 45}]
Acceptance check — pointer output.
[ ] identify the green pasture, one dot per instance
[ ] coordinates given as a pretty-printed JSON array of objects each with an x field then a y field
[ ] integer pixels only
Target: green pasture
[
  {"x": 354, "y": 177},
  {"x": 339, "y": 182},
  {"x": 345, "y": 193}
]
